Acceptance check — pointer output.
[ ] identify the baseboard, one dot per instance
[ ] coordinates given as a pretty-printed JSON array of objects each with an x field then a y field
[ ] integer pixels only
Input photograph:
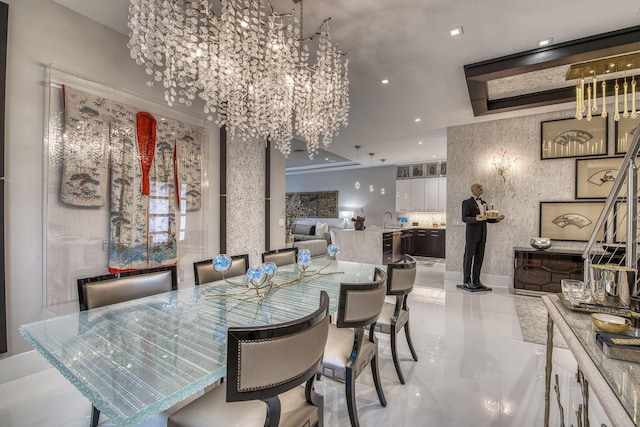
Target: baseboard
[
  {"x": 21, "y": 365},
  {"x": 490, "y": 280}
]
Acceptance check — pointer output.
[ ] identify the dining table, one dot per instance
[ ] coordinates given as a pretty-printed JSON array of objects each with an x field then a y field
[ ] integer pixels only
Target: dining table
[{"x": 135, "y": 359}]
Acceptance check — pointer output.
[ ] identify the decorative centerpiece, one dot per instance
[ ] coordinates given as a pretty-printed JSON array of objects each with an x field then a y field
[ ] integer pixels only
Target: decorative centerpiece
[
  {"x": 540, "y": 243},
  {"x": 260, "y": 279},
  {"x": 332, "y": 251},
  {"x": 358, "y": 223}
]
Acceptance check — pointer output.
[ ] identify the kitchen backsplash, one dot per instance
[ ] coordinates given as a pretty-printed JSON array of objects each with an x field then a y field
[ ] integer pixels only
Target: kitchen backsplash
[{"x": 426, "y": 219}]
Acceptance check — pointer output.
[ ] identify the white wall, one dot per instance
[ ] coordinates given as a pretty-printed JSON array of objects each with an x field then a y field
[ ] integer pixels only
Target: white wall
[
  {"x": 42, "y": 32},
  {"x": 373, "y": 203}
]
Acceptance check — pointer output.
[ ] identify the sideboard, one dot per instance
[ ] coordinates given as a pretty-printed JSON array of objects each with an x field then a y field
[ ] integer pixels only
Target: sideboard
[{"x": 540, "y": 271}]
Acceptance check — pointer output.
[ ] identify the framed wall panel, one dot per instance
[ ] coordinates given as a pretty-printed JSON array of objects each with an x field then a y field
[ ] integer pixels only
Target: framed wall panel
[
  {"x": 573, "y": 138},
  {"x": 572, "y": 221},
  {"x": 595, "y": 176},
  {"x": 625, "y": 130}
]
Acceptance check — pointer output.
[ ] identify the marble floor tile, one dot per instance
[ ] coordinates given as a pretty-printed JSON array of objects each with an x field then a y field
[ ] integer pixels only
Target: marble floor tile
[{"x": 474, "y": 370}]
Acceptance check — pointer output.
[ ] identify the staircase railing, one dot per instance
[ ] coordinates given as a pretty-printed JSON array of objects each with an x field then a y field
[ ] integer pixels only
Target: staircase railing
[{"x": 614, "y": 240}]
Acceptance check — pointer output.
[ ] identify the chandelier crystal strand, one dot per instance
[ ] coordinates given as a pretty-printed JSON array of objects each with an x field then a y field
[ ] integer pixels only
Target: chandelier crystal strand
[
  {"x": 616, "y": 115},
  {"x": 247, "y": 65},
  {"x": 634, "y": 114},
  {"x": 589, "y": 102},
  {"x": 625, "y": 114},
  {"x": 578, "y": 103},
  {"x": 582, "y": 107},
  {"x": 604, "y": 99},
  {"x": 594, "y": 83}
]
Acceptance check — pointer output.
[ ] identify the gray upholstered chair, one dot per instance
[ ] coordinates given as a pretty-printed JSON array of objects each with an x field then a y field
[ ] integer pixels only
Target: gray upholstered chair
[
  {"x": 281, "y": 256},
  {"x": 395, "y": 316},
  {"x": 265, "y": 367},
  {"x": 94, "y": 292},
  {"x": 204, "y": 273},
  {"x": 348, "y": 349}
]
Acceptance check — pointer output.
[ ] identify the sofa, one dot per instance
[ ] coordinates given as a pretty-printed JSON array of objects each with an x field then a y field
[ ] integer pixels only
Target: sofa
[{"x": 302, "y": 232}]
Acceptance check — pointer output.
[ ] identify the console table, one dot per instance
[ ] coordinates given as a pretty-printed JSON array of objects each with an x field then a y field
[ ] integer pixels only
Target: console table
[
  {"x": 537, "y": 271},
  {"x": 615, "y": 382}
]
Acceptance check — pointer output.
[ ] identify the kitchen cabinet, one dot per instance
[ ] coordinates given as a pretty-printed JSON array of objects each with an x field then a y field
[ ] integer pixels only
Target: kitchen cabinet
[
  {"x": 406, "y": 242},
  {"x": 417, "y": 195},
  {"x": 391, "y": 247},
  {"x": 435, "y": 194},
  {"x": 429, "y": 242},
  {"x": 403, "y": 195},
  {"x": 421, "y": 195}
]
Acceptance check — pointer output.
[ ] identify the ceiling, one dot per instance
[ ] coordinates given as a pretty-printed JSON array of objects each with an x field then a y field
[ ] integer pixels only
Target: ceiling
[{"x": 408, "y": 42}]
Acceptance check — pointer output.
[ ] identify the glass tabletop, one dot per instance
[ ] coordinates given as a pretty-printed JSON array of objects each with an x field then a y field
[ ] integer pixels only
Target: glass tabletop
[
  {"x": 135, "y": 359},
  {"x": 622, "y": 377}
]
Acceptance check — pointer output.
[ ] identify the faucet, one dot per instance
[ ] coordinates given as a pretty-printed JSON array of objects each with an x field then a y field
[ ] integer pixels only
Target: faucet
[{"x": 384, "y": 220}]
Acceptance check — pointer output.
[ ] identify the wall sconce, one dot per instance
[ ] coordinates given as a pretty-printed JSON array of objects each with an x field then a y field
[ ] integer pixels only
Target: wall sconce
[{"x": 503, "y": 164}]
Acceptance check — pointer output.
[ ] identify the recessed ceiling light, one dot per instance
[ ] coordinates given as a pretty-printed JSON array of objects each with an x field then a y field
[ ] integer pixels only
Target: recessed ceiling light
[
  {"x": 418, "y": 119},
  {"x": 434, "y": 156},
  {"x": 326, "y": 158},
  {"x": 545, "y": 42},
  {"x": 455, "y": 31},
  {"x": 419, "y": 142},
  {"x": 385, "y": 81}
]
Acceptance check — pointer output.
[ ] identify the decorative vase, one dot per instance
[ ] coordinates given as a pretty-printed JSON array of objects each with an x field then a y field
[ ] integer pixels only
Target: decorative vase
[{"x": 358, "y": 225}]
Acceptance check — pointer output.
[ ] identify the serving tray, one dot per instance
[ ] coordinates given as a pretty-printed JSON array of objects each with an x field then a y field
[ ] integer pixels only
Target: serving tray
[{"x": 609, "y": 307}]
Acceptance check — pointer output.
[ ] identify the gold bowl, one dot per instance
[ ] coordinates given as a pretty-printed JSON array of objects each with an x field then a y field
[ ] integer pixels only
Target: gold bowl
[{"x": 610, "y": 323}]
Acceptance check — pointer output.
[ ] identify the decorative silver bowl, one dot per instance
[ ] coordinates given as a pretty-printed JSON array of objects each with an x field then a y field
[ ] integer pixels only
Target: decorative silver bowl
[{"x": 540, "y": 243}]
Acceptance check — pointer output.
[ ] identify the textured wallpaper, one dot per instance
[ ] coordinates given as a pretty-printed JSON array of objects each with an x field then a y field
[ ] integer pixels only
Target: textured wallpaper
[
  {"x": 245, "y": 198},
  {"x": 470, "y": 149}
]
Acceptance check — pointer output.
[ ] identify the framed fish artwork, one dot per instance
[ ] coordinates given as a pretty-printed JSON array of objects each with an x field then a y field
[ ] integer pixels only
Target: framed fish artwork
[
  {"x": 572, "y": 221},
  {"x": 567, "y": 138},
  {"x": 595, "y": 177}
]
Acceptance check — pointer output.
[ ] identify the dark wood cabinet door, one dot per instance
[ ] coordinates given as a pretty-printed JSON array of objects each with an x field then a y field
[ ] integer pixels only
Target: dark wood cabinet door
[{"x": 420, "y": 245}]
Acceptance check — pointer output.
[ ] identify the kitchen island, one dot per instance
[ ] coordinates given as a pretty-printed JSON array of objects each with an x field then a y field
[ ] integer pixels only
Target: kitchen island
[
  {"x": 375, "y": 245},
  {"x": 378, "y": 245}
]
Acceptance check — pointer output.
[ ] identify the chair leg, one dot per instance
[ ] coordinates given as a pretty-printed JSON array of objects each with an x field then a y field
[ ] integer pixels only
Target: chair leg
[
  {"x": 407, "y": 333},
  {"x": 394, "y": 354},
  {"x": 95, "y": 416},
  {"x": 376, "y": 380},
  {"x": 350, "y": 389}
]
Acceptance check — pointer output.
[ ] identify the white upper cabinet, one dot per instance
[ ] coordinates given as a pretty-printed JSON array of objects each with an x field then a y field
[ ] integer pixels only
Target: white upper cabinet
[{"x": 403, "y": 195}]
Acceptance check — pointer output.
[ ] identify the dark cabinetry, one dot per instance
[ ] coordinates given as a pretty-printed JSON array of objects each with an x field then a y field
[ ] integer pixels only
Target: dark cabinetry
[
  {"x": 391, "y": 247},
  {"x": 429, "y": 242},
  {"x": 406, "y": 242},
  {"x": 541, "y": 271}
]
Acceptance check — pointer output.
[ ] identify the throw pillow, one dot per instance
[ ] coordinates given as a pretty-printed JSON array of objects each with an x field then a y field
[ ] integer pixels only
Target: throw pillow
[{"x": 321, "y": 229}]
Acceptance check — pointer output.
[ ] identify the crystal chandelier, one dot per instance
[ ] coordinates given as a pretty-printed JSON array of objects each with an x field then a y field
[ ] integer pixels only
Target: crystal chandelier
[
  {"x": 251, "y": 66},
  {"x": 591, "y": 78}
]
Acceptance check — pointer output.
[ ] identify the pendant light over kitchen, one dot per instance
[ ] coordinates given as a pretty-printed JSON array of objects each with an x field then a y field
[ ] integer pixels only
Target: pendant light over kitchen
[
  {"x": 371, "y": 188},
  {"x": 382, "y": 189},
  {"x": 357, "y": 184}
]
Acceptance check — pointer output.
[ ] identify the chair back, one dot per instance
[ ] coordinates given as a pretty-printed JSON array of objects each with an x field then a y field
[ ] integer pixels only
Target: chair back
[
  {"x": 94, "y": 292},
  {"x": 360, "y": 304},
  {"x": 281, "y": 256},
  {"x": 401, "y": 276},
  {"x": 265, "y": 361},
  {"x": 204, "y": 273}
]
